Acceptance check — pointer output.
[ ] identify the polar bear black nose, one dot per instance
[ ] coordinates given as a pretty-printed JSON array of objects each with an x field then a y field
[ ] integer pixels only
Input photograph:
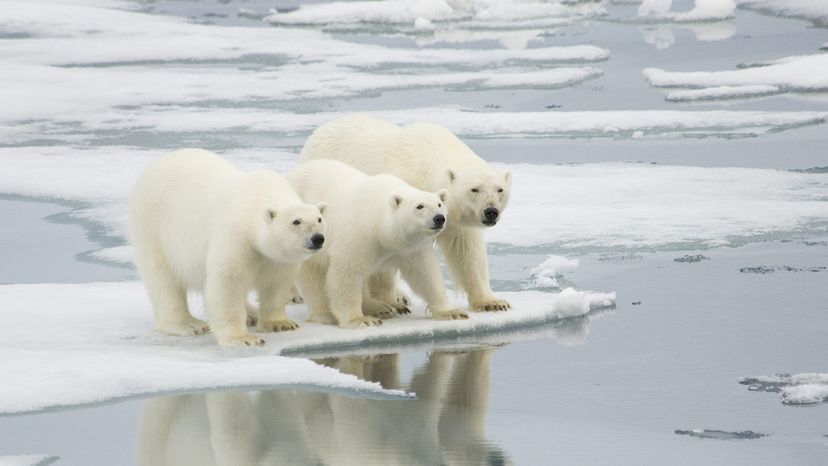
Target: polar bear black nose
[
  {"x": 317, "y": 240},
  {"x": 439, "y": 220},
  {"x": 491, "y": 213}
]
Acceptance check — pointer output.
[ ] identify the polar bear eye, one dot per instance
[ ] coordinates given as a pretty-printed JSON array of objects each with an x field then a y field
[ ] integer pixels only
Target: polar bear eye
[
  {"x": 297, "y": 222},
  {"x": 500, "y": 190},
  {"x": 439, "y": 205},
  {"x": 420, "y": 206},
  {"x": 319, "y": 220},
  {"x": 475, "y": 190}
]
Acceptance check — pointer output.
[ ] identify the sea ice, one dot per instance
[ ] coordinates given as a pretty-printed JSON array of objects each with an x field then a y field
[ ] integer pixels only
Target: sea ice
[
  {"x": 802, "y": 73},
  {"x": 545, "y": 275},
  {"x": 797, "y": 389},
  {"x": 27, "y": 460},
  {"x": 814, "y": 10},
  {"x": 65, "y": 345},
  {"x": 406, "y": 12}
]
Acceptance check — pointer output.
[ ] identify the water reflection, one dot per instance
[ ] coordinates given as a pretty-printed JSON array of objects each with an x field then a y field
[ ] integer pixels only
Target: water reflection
[
  {"x": 445, "y": 425},
  {"x": 661, "y": 35}
]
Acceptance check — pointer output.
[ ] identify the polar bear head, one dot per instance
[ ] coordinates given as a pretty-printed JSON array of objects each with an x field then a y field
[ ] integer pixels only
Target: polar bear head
[
  {"x": 291, "y": 233},
  {"x": 417, "y": 216},
  {"x": 478, "y": 198}
]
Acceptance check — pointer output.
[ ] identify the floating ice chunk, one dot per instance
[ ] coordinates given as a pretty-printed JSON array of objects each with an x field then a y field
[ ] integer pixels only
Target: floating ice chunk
[
  {"x": 407, "y": 11},
  {"x": 422, "y": 24},
  {"x": 814, "y": 10},
  {"x": 546, "y": 273},
  {"x": 721, "y": 434},
  {"x": 722, "y": 92},
  {"x": 806, "y": 388},
  {"x": 804, "y": 73},
  {"x": 703, "y": 10},
  {"x": 94, "y": 342},
  {"x": 27, "y": 460},
  {"x": 118, "y": 254}
]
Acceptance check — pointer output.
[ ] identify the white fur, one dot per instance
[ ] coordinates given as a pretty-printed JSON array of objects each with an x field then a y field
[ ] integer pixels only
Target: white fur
[
  {"x": 198, "y": 223},
  {"x": 375, "y": 227},
  {"x": 428, "y": 157}
]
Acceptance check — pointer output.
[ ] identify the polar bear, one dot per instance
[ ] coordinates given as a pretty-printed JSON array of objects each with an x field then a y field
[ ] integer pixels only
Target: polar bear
[
  {"x": 375, "y": 224},
  {"x": 429, "y": 157},
  {"x": 199, "y": 223}
]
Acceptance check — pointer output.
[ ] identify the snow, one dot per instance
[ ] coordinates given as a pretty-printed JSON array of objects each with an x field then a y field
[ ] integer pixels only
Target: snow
[
  {"x": 619, "y": 205},
  {"x": 545, "y": 274},
  {"x": 802, "y": 73},
  {"x": 722, "y": 92},
  {"x": 797, "y": 389},
  {"x": 814, "y": 10},
  {"x": 97, "y": 344},
  {"x": 27, "y": 460},
  {"x": 703, "y": 10},
  {"x": 406, "y": 12}
]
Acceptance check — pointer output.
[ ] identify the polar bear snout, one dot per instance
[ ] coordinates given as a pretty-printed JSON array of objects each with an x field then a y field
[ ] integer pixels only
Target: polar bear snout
[
  {"x": 439, "y": 222},
  {"x": 316, "y": 241},
  {"x": 490, "y": 215}
]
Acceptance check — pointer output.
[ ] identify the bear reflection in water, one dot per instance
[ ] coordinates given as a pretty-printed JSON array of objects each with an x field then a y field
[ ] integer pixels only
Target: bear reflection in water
[{"x": 445, "y": 425}]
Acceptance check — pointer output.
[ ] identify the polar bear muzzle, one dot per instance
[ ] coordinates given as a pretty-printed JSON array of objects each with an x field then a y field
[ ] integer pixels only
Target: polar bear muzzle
[
  {"x": 315, "y": 242},
  {"x": 490, "y": 216}
]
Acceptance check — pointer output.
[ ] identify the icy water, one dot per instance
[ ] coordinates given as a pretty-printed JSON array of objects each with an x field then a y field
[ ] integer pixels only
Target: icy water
[{"x": 720, "y": 273}]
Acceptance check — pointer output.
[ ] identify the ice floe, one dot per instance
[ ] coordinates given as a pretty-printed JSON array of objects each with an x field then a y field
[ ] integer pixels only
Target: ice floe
[
  {"x": 605, "y": 206},
  {"x": 721, "y": 434},
  {"x": 797, "y": 389},
  {"x": 802, "y": 73},
  {"x": 813, "y": 10},
  {"x": 482, "y": 13},
  {"x": 545, "y": 274},
  {"x": 65, "y": 345},
  {"x": 27, "y": 460}
]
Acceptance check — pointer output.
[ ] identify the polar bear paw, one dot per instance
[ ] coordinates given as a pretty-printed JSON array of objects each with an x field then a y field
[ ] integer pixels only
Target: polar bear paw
[
  {"x": 402, "y": 309},
  {"x": 403, "y": 298},
  {"x": 362, "y": 322},
  {"x": 242, "y": 340},
  {"x": 189, "y": 327},
  {"x": 375, "y": 308},
  {"x": 453, "y": 314},
  {"x": 493, "y": 305},
  {"x": 281, "y": 325}
]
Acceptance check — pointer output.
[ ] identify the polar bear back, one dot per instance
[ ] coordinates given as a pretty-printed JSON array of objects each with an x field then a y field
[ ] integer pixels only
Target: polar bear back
[
  {"x": 182, "y": 198},
  {"x": 419, "y": 153}
]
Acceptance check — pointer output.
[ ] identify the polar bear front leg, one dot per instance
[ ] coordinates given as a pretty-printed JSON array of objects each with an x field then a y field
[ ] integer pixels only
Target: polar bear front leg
[
  {"x": 465, "y": 253},
  {"x": 382, "y": 286},
  {"x": 422, "y": 271},
  {"x": 225, "y": 298},
  {"x": 344, "y": 283},
  {"x": 273, "y": 297}
]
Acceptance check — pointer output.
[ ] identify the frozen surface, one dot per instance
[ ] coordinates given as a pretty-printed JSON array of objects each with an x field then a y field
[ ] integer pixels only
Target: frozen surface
[
  {"x": 814, "y": 10},
  {"x": 27, "y": 460},
  {"x": 545, "y": 274},
  {"x": 804, "y": 73},
  {"x": 797, "y": 389},
  {"x": 483, "y": 13},
  {"x": 97, "y": 343},
  {"x": 722, "y": 92}
]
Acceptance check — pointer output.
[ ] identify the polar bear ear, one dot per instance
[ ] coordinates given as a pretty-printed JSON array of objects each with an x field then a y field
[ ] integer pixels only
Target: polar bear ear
[
  {"x": 451, "y": 175},
  {"x": 270, "y": 214},
  {"x": 396, "y": 200},
  {"x": 322, "y": 206},
  {"x": 508, "y": 177},
  {"x": 442, "y": 194}
]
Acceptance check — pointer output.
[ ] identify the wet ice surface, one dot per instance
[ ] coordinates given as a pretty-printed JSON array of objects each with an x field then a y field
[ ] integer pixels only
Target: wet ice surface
[{"x": 567, "y": 87}]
